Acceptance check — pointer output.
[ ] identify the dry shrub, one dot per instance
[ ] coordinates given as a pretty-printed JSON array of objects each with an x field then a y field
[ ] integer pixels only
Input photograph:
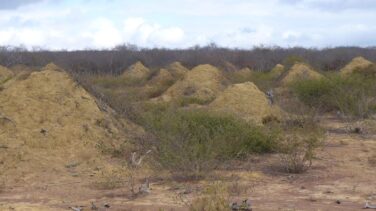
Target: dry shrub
[
  {"x": 109, "y": 179},
  {"x": 298, "y": 153},
  {"x": 297, "y": 147},
  {"x": 214, "y": 198}
]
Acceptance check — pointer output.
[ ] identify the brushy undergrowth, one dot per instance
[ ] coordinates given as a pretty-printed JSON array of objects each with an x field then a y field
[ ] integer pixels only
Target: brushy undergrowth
[
  {"x": 214, "y": 198},
  {"x": 299, "y": 143},
  {"x": 353, "y": 95},
  {"x": 185, "y": 101},
  {"x": 195, "y": 141}
]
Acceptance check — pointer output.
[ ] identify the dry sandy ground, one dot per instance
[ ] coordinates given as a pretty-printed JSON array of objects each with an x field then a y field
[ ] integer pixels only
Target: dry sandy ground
[{"x": 341, "y": 173}]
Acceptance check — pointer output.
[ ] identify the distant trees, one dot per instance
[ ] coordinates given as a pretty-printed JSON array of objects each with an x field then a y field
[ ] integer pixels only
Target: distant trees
[{"x": 114, "y": 61}]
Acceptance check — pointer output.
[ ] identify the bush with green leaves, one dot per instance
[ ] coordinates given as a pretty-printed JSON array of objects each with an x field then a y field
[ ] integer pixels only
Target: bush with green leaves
[
  {"x": 315, "y": 93},
  {"x": 194, "y": 141},
  {"x": 353, "y": 95}
]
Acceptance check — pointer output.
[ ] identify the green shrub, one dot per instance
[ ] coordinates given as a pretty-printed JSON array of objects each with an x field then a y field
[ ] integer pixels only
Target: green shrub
[
  {"x": 185, "y": 101},
  {"x": 195, "y": 141},
  {"x": 264, "y": 80},
  {"x": 353, "y": 95},
  {"x": 314, "y": 93}
]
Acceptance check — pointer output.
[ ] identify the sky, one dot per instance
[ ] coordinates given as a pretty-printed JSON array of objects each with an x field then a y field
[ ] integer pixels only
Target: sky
[{"x": 82, "y": 24}]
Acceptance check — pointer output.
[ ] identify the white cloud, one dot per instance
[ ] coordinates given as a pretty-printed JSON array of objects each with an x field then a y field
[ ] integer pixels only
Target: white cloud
[
  {"x": 141, "y": 32},
  {"x": 103, "y": 33},
  {"x": 233, "y": 23}
]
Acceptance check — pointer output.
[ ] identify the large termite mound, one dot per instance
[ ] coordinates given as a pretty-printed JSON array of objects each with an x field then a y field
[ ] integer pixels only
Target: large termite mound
[
  {"x": 246, "y": 101},
  {"x": 48, "y": 121},
  {"x": 200, "y": 85},
  {"x": 300, "y": 71},
  {"x": 136, "y": 72},
  {"x": 177, "y": 70},
  {"x": 277, "y": 71},
  {"x": 358, "y": 64}
]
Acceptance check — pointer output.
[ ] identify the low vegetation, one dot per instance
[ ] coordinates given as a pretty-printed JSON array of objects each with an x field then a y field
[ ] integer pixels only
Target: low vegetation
[
  {"x": 300, "y": 136},
  {"x": 214, "y": 198},
  {"x": 354, "y": 95},
  {"x": 192, "y": 142}
]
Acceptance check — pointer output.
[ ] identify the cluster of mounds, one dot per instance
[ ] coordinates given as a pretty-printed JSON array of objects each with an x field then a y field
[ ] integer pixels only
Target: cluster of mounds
[
  {"x": 170, "y": 74},
  {"x": 358, "y": 64},
  {"x": 300, "y": 71},
  {"x": 201, "y": 84},
  {"x": 48, "y": 122},
  {"x": 206, "y": 85}
]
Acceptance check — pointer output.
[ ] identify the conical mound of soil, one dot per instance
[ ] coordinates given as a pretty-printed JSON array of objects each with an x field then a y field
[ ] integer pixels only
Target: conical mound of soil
[
  {"x": 357, "y": 64},
  {"x": 18, "y": 68},
  {"x": 5, "y": 74},
  {"x": 51, "y": 66},
  {"x": 245, "y": 72},
  {"x": 20, "y": 72},
  {"x": 200, "y": 85},
  {"x": 277, "y": 71},
  {"x": 300, "y": 71},
  {"x": 177, "y": 70},
  {"x": 162, "y": 77},
  {"x": 136, "y": 72},
  {"x": 239, "y": 76},
  {"x": 229, "y": 67},
  {"x": 48, "y": 121},
  {"x": 246, "y": 101}
]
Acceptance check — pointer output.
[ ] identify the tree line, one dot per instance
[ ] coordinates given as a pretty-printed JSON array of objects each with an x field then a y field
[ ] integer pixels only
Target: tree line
[{"x": 115, "y": 60}]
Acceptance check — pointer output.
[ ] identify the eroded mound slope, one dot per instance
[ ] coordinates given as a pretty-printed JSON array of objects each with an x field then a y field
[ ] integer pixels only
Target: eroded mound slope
[
  {"x": 277, "y": 71},
  {"x": 246, "y": 101},
  {"x": 244, "y": 72},
  {"x": 48, "y": 121},
  {"x": 162, "y": 77},
  {"x": 229, "y": 67},
  {"x": 5, "y": 74},
  {"x": 300, "y": 71},
  {"x": 201, "y": 84},
  {"x": 357, "y": 64},
  {"x": 136, "y": 72},
  {"x": 177, "y": 70}
]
